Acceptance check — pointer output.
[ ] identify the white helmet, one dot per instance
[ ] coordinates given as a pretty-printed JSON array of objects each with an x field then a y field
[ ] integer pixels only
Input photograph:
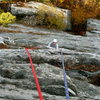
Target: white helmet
[{"x": 54, "y": 40}]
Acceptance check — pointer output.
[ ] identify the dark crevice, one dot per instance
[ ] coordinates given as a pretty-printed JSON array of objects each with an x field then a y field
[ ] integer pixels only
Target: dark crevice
[{"x": 96, "y": 80}]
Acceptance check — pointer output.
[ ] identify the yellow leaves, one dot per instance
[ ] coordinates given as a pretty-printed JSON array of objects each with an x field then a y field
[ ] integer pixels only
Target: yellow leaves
[
  {"x": 5, "y": 1},
  {"x": 89, "y": 1},
  {"x": 51, "y": 17},
  {"x": 6, "y": 18},
  {"x": 82, "y": 9},
  {"x": 78, "y": 15},
  {"x": 61, "y": 1}
]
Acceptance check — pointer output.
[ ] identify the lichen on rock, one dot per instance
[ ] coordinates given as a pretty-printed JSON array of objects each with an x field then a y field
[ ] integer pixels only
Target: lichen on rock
[{"x": 6, "y": 18}]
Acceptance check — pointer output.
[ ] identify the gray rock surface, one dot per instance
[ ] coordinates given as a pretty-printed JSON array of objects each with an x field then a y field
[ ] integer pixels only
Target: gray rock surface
[
  {"x": 76, "y": 49},
  {"x": 16, "y": 80},
  {"x": 93, "y": 25}
]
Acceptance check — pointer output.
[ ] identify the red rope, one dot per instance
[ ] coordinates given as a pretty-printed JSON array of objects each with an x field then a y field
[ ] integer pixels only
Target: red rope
[
  {"x": 35, "y": 76},
  {"x": 34, "y": 48}
]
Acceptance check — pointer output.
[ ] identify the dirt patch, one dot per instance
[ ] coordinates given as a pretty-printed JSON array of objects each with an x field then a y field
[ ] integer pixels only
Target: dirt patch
[
  {"x": 10, "y": 31},
  {"x": 2, "y": 46},
  {"x": 96, "y": 80},
  {"x": 37, "y": 33},
  {"x": 90, "y": 68}
]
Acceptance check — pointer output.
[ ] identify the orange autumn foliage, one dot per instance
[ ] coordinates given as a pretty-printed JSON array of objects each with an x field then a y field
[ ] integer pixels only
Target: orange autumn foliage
[{"x": 82, "y": 9}]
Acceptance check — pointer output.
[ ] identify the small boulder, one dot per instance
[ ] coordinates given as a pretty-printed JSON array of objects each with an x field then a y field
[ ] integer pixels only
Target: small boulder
[{"x": 28, "y": 12}]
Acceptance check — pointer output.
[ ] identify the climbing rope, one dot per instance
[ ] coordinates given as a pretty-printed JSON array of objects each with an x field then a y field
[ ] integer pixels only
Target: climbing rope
[
  {"x": 65, "y": 79},
  {"x": 36, "y": 79},
  {"x": 34, "y": 75}
]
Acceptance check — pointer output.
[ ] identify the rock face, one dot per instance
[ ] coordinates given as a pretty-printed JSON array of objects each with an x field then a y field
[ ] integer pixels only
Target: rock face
[
  {"x": 5, "y": 42},
  {"x": 77, "y": 49},
  {"x": 93, "y": 25},
  {"x": 16, "y": 80},
  {"x": 29, "y": 11}
]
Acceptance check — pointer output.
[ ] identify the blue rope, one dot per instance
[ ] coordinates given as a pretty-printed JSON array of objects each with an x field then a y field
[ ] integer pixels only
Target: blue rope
[{"x": 65, "y": 79}]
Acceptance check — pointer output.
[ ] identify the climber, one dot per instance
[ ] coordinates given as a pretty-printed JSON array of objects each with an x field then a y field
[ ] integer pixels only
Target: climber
[{"x": 53, "y": 44}]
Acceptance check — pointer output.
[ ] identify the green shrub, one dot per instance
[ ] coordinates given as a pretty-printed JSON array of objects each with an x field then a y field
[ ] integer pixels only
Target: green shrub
[
  {"x": 6, "y": 18},
  {"x": 51, "y": 17}
]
